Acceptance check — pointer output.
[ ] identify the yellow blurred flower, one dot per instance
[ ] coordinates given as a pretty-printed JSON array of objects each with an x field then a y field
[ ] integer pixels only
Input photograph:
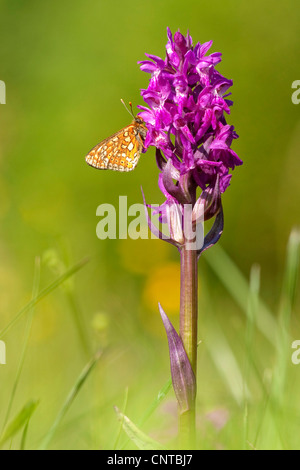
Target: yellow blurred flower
[{"x": 163, "y": 285}]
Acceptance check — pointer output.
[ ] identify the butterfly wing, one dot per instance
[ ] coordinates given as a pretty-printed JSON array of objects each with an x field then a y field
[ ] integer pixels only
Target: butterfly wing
[{"x": 119, "y": 152}]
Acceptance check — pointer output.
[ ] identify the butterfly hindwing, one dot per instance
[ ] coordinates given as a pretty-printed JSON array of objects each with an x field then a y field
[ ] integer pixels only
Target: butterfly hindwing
[{"x": 121, "y": 151}]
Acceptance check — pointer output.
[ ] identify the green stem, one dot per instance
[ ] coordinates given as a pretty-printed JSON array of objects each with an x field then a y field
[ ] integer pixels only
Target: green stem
[{"x": 188, "y": 334}]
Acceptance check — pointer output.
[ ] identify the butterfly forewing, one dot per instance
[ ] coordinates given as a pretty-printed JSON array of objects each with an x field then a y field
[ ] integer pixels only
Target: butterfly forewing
[{"x": 121, "y": 151}]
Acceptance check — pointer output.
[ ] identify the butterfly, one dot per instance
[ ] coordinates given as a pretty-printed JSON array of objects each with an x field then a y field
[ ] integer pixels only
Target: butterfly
[{"x": 121, "y": 151}]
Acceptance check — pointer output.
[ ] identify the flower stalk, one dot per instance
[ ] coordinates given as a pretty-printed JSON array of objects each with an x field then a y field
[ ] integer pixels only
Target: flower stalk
[
  {"x": 189, "y": 303},
  {"x": 188, "y": 331}
]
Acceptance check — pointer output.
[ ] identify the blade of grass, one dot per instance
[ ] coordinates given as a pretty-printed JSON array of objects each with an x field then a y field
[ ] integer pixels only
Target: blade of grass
[
  {"x": 18, "y": 422},
  {"x": 291, "y": 272},
  {"x": 79, "y": 323},
  {"x": 35, "y": 289},
  {"x": 220, "y": 350},
  {"x": 138, "y": 437},
  {"x": 226, "y": 362},
  {"x": 288, "y": 295},
  {"x": 121, "y": 421},
  {"x": 70, "y": 399},
  {"x": 57, "y": 266},
  {"x": 43, "y": 294},
  {"x": 24, "y": 435},
  {"x": 156, "y": 402},
  {"x": 237, "y": 285},
  {"x": 253, "y": 301},
  {"x": 154, "y": 405},
  {"x": 274, "y": 409}
]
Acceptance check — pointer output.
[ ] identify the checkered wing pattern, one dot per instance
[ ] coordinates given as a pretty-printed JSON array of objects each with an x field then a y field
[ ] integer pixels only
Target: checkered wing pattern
[{"x": 121, "y": 151}]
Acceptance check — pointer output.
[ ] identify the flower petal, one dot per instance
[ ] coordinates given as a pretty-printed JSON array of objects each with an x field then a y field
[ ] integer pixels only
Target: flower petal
[{"x": 214, "y": 234}]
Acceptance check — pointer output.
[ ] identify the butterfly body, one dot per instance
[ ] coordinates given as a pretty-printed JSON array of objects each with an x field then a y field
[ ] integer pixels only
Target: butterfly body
[{"x": 121, "y": 151}]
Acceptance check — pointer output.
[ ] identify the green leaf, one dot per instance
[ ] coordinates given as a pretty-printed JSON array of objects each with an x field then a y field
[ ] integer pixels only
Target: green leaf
[
  {"x": 69, "y": 400},
  {"x": 289, "y": 291},
  {"x": 140, "y": 439},
  {"x": 26, "y": 339},
  {"x": 236, "y": 284},
  {"x": 18, "y": 422},
  {"x": 157, "y": 401},
  {"x": 120, "y": 430},
  {"x": 288, "y": 297},
  {"x": 43, "y": 294}
]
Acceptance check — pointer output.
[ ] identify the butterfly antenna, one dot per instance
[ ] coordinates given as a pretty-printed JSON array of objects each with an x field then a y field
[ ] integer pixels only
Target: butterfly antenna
[{"x": 129, "y": 110}]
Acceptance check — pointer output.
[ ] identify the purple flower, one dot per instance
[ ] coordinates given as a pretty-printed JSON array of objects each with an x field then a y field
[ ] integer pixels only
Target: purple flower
[{"x": 185, "y": 116}]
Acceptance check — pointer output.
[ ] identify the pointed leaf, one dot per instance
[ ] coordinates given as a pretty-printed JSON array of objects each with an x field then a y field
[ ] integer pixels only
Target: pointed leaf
[
  {"x": 43, "y": 294},
  {"x": 183, "y": 377},
  {"x": 70, "y": 399},
  {"x": 140, "y": 439},
  {"x": 157, "y": 401},
  {"x": 19, "y": 421}
]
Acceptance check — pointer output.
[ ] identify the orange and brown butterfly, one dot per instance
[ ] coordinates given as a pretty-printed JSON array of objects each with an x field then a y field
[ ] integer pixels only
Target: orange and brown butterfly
[{"x": 121, "y": 151}]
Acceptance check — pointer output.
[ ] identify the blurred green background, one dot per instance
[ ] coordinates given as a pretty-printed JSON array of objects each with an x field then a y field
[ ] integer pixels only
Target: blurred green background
[{"x": 66, "y": 65}]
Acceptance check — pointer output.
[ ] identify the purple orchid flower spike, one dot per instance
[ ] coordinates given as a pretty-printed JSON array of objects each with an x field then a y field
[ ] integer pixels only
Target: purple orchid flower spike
[
  {"x": 187, "y": 100},
  {"x": 185, "y": 114}
]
